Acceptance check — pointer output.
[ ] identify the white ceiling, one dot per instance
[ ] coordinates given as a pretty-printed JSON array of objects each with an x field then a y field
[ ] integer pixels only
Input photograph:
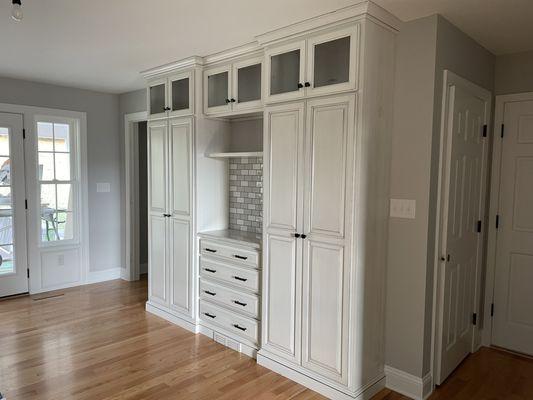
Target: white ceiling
[{"x": 103, "y": 44}]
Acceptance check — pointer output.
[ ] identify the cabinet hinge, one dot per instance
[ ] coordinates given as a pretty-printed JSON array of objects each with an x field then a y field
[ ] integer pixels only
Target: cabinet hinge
[
  {"x": 23, "y": 133},
  {"x": 485, "y": 130},
  {"x": 503, "y": 129},
  {"x": 28, "y": 272},
  {"x": 492, "y": 310},
  {"x": 26, "y": 204},
  {"x": 478, "y": 226},
  {"x": 497, "y": 221},
  {"x": 474, "y": 319}
]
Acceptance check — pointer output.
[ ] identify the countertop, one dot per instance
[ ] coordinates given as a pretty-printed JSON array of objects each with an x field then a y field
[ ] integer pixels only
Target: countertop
[{"x": 248, "y": 239}]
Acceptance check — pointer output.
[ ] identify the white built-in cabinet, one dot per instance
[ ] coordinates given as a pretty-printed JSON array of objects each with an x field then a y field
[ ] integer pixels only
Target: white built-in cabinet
[
  {"x": 170, "y": 176},
  {"x": 319, "y": 64},
  {"x": 309, "y": 150},
  {"x": 235, "y": 87},
  {"x": 171, "y": 96}
]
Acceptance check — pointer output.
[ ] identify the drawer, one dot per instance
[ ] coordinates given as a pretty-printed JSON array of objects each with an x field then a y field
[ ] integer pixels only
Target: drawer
[
  {"x": 238, "y": 301},
  {"x": 244, "y": 327},
  {"x": 237, "y": 255},
  {"x": 243, "y": 278}
]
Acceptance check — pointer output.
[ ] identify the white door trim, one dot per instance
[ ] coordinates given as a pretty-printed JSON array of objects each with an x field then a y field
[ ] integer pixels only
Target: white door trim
[
  {"x": 131, "y": 178},
  {"x": 451, "y": 78},
  {"x": 494, "y": 206}
]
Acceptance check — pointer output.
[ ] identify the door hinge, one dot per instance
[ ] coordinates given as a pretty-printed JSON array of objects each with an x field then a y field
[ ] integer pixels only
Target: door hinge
[
  {"x": 497, "y": 221},
  {"x": 474, "y": 319},
  {"x": 502, "y": 130},
  {"x": 23, "y": 133},
  {"x": 28, "y": 272},
  {"x": 492, "y": 310},
  {"x": 26, "y": 204},
  {"x": 478, "y": 226},
  {"x": 485, "y": 130}
]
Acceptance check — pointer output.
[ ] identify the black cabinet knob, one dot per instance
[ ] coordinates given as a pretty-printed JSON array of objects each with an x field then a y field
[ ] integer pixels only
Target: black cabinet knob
[
  {"x": 297, "y": 235},
  {"x": 232, "y": 100},
  {"x": 300, "y": 86},
  {"x": 303, "y": 236},
  {"x": 227, "y": 101},
  {"x": 307, "y": 84}
]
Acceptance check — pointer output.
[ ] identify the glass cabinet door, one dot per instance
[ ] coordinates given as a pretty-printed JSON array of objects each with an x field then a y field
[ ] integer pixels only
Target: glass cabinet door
[
  {"x": 157, "y": 97},
  {"x": 216, "y": 90},
  {"x": 332, "y": 61},
  {"x": 247, "y": 87},
  {"x": 285, "y": 71},
  {"x": 180, "y": 94}
]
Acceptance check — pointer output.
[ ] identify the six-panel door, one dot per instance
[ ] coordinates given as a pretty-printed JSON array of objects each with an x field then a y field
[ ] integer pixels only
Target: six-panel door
[
  {"x": 329, "y": 145},
  {"x": 283, "y": 143}
]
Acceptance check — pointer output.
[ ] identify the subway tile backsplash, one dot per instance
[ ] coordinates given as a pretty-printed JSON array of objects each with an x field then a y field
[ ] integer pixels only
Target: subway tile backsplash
[{"x": 246, "y": 194}]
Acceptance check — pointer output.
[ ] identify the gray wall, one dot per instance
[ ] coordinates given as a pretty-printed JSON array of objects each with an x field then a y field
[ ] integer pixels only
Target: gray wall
[
  {"x": 425, "y": 47},
  {"x": 103, "y": 157},
  {"x": 514, "y": 73}
]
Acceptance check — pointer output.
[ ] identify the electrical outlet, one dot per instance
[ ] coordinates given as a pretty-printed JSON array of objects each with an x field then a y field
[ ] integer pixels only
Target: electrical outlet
[{"x": 402, "y": 208}]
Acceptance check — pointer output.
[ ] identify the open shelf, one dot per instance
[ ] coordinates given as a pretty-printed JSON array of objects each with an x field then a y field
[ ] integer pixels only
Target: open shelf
[{"x": 236, "y": 154}]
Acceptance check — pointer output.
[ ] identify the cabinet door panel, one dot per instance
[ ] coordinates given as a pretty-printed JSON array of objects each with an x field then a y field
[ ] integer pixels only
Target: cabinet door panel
[
  {"x": 157, "y": 98},
  {"x": 281, "y": 297},
  {"x": 157, "y": 175},
  {"x": 283, "y": 141},
  {"x": 247, "y": 84},
  {"x": 285, "y": 70},
  {"x": 217, "y": 90},
  {"x": 158, "y": 272},
  {"x": 181, "y": 265},
  {"x": 181, "y": 94},
  {"x": 181, "y": 165}
]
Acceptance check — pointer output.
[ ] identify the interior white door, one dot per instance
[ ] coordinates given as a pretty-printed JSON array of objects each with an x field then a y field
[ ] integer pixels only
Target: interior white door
[
  {"x": 283, "y": 149},
  {"x": 13, "y": 252},
  {"x": 327, "y": 236},
  {"x": 158, "y": 272},
  {"x": 464, "y": 174},
  {"x": 513, "y": 293}
]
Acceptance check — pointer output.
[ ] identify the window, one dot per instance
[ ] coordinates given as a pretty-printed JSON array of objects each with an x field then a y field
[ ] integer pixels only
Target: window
[
  {"x": 6, "y": 206},
  {"x": 58, "y": 180}
]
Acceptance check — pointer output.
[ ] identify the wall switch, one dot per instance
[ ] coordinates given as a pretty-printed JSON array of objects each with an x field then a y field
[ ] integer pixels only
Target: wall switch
[
  {"x": 402, "y": 208},
  {"x": 103, "y": 187}
]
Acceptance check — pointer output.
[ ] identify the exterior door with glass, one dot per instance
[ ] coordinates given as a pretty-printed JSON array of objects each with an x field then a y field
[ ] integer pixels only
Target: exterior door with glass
[{"x": 13, "y": 252}]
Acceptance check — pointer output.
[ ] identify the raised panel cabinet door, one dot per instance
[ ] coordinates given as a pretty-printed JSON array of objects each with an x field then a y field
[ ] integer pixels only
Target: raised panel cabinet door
[
  {"x": 217, "y": 90},
  {"x": 157, "y": 92},
  {"x": 157, "y": 261},
  {"x": 333, "y": 61},
  {"x": 329, "y": 150},
  {"x": 285, "y": 72},
  {"x": 157, "y": 167},
  {"x": 181, "y": 94},
  {"x": 180, "y": 266},
  {"x": 247, "y": 84},
  {"x": 181, "y": 166},
  {"x": 282, "y": 297}
]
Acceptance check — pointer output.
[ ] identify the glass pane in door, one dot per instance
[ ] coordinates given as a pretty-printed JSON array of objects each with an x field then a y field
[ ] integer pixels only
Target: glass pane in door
[
  {"x": 217, "y": 89},
  {"x": 249, "y": 83},
  {"x": 180, "y": 94},
  {"x": 6, "y": 206},
  {"x": 157, "y": 99},
  {"x": 332, "y": 62},
  {"x": 285, "y": 72}
]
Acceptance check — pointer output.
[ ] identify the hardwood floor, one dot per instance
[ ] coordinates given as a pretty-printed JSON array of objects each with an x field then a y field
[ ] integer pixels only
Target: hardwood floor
[{"x": 96, "y": 342}]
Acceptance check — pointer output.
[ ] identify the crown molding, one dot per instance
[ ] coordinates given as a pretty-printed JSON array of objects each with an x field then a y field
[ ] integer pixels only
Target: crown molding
[
  {"x": 188, "y": 62},
  {"x": 343, "y": 15},
  {"x": 247, "y": 49}
]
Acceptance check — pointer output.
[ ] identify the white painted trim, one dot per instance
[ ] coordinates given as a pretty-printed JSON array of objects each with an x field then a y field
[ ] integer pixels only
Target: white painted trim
[
  {"x": 154, "y": 309},
  {"x": 105, "y": 275},
  {"x": 233, "y": 53},
  {"x": 407, "y": 384},
  {"x": 236, "y": 154},
  {"x": 188, "y": 62},
  {"x": 448, "y": 79},
  {"x": 499, "y": 109},
  {"x": 130, "y": 273},
  {"x": 367, "y": 393}
]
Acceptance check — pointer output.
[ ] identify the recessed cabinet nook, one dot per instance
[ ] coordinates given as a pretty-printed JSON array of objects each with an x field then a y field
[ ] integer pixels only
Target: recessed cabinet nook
[{"x": 268, "y": 197}]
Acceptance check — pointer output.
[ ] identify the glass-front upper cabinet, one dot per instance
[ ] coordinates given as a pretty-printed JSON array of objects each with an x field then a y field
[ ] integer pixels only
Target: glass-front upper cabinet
[
  {"x": 157, "y": 98},
  {"x": 332, "y": 61},
  {"x": 285, "y": 71},
  {"x": 217, "y": 86},
  {"x": 247, "y": 84},
  {"x": 181, "y": 94}
]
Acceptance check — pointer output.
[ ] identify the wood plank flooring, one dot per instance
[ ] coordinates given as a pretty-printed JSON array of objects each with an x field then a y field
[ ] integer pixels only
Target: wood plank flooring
[{"x": 96, "y": 342}]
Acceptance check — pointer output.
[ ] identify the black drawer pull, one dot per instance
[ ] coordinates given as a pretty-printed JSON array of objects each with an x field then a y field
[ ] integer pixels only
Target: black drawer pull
[
  {"x": 210, "y": 270},
  {"x": 240, "y": 257},
  {"x": 209, "y": 315},
  {"x": 210, "y": 293},
  {"x": 240, "y": 279},
  {"x": 239, "y": 303},
  {"x": 210, "y": 250},
  {"x": 239, "y": 327}
]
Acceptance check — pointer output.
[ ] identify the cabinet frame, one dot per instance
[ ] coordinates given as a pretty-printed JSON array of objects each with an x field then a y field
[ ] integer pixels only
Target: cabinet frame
[
  {"x": 214, "y": 71},
  {"x": 255, "y": 104},
  {"x": 176, "y": 77},
  {"x": 152, "y": 83}
]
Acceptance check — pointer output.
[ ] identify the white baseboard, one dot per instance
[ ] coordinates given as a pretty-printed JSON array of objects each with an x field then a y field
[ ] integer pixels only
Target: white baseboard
[
  {"x": 409, "y": 385},
  {"x": 105, "y": 275},
  {"x": 156, "y": 310}
]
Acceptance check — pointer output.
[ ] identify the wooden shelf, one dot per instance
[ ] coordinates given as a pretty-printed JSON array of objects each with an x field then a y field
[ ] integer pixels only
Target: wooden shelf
[{"x": 236, "y": 154}]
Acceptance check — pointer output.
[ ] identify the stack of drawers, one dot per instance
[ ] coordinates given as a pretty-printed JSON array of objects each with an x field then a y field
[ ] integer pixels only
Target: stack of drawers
[{"x": 230, "y": 288}]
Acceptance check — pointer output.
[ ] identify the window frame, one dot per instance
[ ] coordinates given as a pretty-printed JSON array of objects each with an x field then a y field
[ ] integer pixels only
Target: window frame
[{"x": 75, "y": 178}]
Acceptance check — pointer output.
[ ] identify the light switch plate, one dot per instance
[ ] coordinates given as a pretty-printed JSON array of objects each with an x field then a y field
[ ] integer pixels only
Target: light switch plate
[
  {"x": 103, "y": 187},
  {"x": 402, "y": 208}
]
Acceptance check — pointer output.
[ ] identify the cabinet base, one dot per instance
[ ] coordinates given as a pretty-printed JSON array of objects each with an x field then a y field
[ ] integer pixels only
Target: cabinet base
[
  {"x": 228, "y": 341},
  {"x": 368, "y": 392},
  {"x": 156, "y": 310}
]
